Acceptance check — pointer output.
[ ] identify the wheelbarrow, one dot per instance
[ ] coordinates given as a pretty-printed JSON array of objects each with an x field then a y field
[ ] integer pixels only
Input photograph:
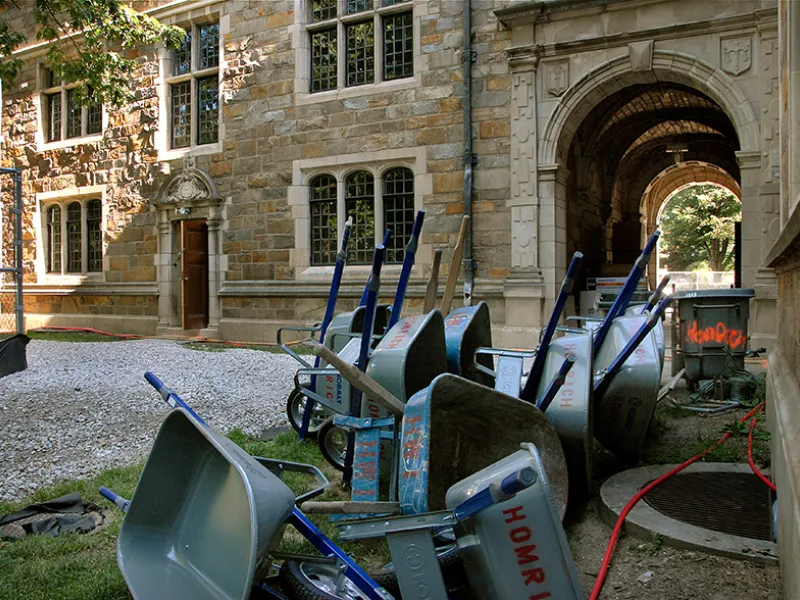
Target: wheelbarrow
[
  {"x": 206, "y": 518},
  {"x": 503, "y": 515},
  {"x": 627, "y": 380},
  {"x": 456, "y": 427},
  {"x": 466, "y": 329}
]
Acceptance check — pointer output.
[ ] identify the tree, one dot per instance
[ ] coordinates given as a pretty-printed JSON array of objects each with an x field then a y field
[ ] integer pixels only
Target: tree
[
  {"x": 96, "y": 33},
  {"x": 698, "y": 229}
]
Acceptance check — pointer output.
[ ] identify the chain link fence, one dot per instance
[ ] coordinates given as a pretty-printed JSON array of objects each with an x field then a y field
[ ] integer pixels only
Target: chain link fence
[{"x": 697, "y": 280}]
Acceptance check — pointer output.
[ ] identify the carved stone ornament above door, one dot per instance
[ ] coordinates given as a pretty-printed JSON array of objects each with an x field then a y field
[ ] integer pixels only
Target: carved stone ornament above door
[{"x": 190, "y": 186}]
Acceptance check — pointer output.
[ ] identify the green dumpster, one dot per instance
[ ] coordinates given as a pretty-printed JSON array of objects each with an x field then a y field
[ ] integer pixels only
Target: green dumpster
[{"x": 713, "y": 323}]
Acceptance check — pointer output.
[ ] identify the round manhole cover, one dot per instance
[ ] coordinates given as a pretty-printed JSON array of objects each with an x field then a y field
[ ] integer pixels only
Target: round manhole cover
[{"x": 733, "y": 503}]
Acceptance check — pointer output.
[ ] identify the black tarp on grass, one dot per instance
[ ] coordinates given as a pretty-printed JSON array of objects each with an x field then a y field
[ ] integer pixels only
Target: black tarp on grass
[{"x": 13, "y": 355}]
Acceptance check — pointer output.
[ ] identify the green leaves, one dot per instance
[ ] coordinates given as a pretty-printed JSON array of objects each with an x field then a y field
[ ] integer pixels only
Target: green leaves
[
  {"x": 97, "y": 58},
  {"x": 698, "y": 229}
]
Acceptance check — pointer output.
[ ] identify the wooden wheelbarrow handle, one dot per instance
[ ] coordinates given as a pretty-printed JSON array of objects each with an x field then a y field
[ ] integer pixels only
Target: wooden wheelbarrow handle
[
  {"x": 455, "y": 267},
  {"x": 368, "y": 386},
  {"x": 350, "y": 508},
  {"x": 433, "y": 282}
]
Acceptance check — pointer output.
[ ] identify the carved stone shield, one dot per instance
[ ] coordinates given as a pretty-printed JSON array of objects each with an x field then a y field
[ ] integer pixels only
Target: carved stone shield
[{"x": 736, "y": 55}]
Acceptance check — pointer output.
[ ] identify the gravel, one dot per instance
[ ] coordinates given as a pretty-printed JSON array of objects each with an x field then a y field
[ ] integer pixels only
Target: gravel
[{"x": 82, "y": 407}]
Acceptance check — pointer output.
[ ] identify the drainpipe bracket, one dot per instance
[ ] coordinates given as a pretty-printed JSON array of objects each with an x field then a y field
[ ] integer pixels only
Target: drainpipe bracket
[
  {"x": 469, "y": 55},
  {"x": 470, "y": 158}
]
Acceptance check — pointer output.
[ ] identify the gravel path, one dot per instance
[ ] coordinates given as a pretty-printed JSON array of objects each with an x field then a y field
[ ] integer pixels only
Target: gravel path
[{"x": 83, "y": 407}]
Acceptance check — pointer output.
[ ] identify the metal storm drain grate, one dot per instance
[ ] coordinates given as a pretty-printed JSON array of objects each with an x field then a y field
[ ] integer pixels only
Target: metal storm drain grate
[{"x": 733, "y": 503}]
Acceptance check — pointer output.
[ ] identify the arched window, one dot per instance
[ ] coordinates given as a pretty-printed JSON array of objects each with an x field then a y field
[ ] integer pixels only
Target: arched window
[
  {"x": 323, "y": 220},
  {"x": 74, "y": 242},
  {"x": 94, "y": 233},
  {"x": 360, "y": 204},
  {"x": 398, "y": 211},
  {"x": 54, "y": 239}
]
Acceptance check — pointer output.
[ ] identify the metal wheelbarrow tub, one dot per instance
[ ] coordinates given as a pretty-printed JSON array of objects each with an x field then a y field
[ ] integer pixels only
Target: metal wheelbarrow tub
[
  {"x": 622, "y": 415},
  {"x": 506, "y": 545},
  {"x": 657, "y": 332},
  {"x": 456, "y": 427},
  {"x": 202, "y": 517},
  {"x": 571, "y": 410},
  {"x": 466, "y": 329}
]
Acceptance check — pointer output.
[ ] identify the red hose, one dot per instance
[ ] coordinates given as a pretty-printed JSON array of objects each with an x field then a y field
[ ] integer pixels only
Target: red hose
[
  {"x": 750, "y": 460},
  {"x": 601, "y": 576}
]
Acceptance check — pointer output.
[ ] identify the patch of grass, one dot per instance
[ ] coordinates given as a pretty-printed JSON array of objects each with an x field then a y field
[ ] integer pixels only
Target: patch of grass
[
  {"x": 217, "y": 347},
  {"x": 84, "y": 567},
  {"x": 653, "y": 546},
  {"x": 72, "y": 336}
]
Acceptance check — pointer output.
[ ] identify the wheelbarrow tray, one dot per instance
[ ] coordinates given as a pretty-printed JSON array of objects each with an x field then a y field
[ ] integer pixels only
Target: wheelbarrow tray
[
  {"x": 202, "y": 517},
  {"x": 456, "y": 427},
  {"x": 466, "y": 329},
  {"x": 622, "y": 416},
  {"x": 571, "y": 409},
  {"x": 656, "y": 332}
]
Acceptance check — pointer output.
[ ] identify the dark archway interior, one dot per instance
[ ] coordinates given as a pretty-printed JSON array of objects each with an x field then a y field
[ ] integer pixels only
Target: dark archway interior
[{"x": 619, "y": 148}]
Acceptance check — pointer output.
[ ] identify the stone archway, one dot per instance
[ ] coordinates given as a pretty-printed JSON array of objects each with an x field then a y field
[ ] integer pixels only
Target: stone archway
[
  {"x": 188, "y": 195},
  {"x": 672, "y": 180},
  {"x": 556, "y": 177}
]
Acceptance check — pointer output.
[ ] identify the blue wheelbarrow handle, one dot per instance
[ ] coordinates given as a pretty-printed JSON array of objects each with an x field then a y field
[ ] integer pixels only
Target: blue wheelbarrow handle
[
  {"x": 120, "y": 502},
  {"x": 171, "y": 397},
  {"x": 496, "y": 492}
]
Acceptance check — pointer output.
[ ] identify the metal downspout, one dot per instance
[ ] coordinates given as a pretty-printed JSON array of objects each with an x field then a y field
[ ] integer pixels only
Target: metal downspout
[
  {"x": 17, "y": 269},
  {"x": 468, "y": 56}
]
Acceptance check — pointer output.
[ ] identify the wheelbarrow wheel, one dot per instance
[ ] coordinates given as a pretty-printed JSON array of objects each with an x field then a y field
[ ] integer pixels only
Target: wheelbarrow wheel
[
  {"x": 453, "y": 572},
  {"x": 296, "y": 406},
  {"x": 332, "y": 442},
  {"x": 301, "y": 580}
]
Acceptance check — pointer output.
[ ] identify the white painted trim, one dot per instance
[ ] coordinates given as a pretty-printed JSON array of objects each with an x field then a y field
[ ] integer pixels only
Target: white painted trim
[
  {"x": 62, "y": 197},
  {"x": 376, "y": 163}
]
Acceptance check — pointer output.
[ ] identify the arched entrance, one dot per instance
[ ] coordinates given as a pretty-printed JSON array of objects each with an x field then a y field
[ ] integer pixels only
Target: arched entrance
[{"x": 620, "y": 138}]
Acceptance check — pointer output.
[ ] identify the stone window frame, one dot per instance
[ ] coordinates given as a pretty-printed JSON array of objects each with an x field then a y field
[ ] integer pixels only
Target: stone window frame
[
  {"x": 204, "y": 14},
  {"x": 301, "y": 43},
  {"x": 377, "y": 163},
  {"x": 63, "y": 198},
  {"x": 43, "y": 91}
]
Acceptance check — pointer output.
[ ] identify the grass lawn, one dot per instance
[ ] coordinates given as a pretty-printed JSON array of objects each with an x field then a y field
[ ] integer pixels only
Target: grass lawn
[{"x": 84, "y": 567}]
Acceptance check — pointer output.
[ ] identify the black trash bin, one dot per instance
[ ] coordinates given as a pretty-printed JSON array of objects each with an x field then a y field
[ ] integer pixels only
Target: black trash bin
[{"x": 13, "y": 354}]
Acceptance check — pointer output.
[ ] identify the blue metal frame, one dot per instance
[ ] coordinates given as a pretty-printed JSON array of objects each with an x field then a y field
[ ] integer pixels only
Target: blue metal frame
[
  {"x": 405, "y": 272},
  {"x": 532, "y": 383},
  {"x": 626, "y": 293}
]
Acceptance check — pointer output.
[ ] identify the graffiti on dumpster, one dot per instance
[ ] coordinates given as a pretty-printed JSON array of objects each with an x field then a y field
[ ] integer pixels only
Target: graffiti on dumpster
[{"x": 719, "y": 334}]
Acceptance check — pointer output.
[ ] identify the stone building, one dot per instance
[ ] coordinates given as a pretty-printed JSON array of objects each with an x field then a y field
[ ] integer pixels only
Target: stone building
[
  {"x": 783, "y": 382},
  {"x": 213, "y": 202}
]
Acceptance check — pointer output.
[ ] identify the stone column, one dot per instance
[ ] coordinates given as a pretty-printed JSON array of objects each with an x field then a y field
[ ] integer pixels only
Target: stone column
[
  {"x": 522, "y": 289},
  {"x": 759, "y": 208},
  {"x": 164, "y": 270},
  {"x": 213, "y": 278}
]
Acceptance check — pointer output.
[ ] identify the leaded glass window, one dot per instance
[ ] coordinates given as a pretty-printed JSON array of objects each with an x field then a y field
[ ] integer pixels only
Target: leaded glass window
[
  {"x": 323, "y": 60},
  {"x": 74, "y": 238},
  {"x": 94, "y": 235},
  {"x": 53, "y": 103},
  {"x": 398, "y": 46},
  {"x": 398, "y": 211},
  {"x": 360, "y": 205},
  {"x": 54, "y": 239},
  {"x": 322, "y": 10},
  {"x": 357, "y": 6},
  {"x": 74, "y": 112},
  {"x": 182, "y": 57},
  {"x": 207, "y": 110},
  {"x": 80, "y": 249},
  {"x": 360, "y": 53},
  {"x": 378, "y": 46},
  {"x": 181, "y": 114},
  {"x": 64, "y": 115},
  {"x": 324, "y": 235},
  {"x": 209, "y": 46},
  {"x": 194, "y": 88}
]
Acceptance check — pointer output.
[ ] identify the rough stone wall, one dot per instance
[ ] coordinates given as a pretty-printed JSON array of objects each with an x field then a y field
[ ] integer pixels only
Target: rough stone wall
[{"x": 265, "y": 131}]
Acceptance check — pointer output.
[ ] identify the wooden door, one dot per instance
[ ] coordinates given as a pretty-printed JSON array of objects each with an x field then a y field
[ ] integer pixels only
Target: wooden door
[{"x": 194, "y": 266}]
